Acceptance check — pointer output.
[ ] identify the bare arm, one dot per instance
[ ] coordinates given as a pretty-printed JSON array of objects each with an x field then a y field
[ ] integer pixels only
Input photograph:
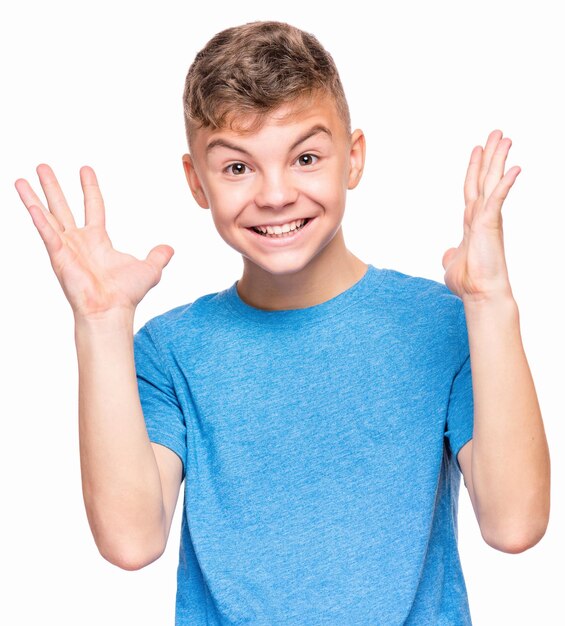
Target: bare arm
[
  {"x": 130, "y": 485},
  {"x": 121, "y": 479},
  {"x": 506, "y": 465}
]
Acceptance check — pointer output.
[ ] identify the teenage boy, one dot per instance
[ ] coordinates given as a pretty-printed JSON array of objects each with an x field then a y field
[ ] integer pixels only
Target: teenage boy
[{"x": 320, "y": 410}]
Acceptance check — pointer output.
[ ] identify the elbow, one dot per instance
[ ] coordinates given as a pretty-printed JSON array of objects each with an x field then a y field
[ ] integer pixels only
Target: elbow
[
  {"x": 128, "y": 547},
  {"x": 513, "y": 545},
  {"x": 512, "y": 541},
  {"x": 131, "y": 558},
  {"x": 517, "y": 529}
]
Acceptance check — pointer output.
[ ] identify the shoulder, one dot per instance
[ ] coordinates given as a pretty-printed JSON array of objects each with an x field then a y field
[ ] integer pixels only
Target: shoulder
[
  {"x": 192, "y": 316},
  {"x": 428, "y": 309},
  {"x": 180, "y": 333},
  {"x": 421, "y": 293}
]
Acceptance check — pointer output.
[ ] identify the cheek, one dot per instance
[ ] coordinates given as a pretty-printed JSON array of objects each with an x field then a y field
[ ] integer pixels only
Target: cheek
[
  {"x": 227, "y": 200},
  {"x": 328, "y": 189},
  {"x": 331, "y": 181},
  {"x": 227, "y": 204}
]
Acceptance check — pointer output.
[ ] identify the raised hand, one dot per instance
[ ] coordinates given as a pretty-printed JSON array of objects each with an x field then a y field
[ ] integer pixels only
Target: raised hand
[
  {"x": 96, "y": 278},
  {"x": 476, "y": 270}
]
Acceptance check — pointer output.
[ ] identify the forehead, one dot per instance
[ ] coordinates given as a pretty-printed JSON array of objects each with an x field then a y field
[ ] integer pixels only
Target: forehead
[
  {"x": 294, "y": 116},
  {"x": 300, "y": 109}
]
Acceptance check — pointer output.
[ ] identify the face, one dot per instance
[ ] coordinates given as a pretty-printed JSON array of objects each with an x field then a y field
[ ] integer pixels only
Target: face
[{"x": 277, "y": 195}]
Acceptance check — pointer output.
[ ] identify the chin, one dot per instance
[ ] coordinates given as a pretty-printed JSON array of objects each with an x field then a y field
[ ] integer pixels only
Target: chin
[{"x": 277, "y": 267}]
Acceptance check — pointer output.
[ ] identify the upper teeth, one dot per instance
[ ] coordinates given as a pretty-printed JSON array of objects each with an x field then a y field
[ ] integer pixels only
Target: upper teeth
[{"x": 283, "y": 228}]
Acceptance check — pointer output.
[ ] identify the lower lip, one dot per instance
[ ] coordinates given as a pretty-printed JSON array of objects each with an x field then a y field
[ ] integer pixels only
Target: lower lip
[{"x": 282, "y": 241}]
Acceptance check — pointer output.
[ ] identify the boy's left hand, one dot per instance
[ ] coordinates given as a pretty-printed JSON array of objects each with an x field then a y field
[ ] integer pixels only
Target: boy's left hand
[{"x": 476, "y": 270}]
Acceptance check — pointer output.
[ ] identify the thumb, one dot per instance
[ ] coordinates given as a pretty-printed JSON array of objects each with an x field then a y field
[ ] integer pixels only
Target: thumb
[
  {"x": 159, "y": 257},
  {"x": 447, "y": 256}
]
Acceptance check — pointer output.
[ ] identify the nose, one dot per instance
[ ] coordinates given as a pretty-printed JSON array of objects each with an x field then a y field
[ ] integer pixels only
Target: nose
[{"x": 276, "y": 190}]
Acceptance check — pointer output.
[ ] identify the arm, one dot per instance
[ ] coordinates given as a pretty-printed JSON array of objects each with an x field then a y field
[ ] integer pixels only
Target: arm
[
  {"x": 506, "y": 466},
  {"x": 130, "y": 486}
]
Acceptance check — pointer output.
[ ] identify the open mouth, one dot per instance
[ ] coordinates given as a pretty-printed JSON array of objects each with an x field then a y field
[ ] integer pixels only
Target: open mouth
[{"x": 280, "y": 232}]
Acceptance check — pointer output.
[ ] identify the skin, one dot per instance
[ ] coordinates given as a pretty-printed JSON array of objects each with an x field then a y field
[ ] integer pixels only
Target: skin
[
  {"x": 275, "y": 185},
  {"x": 131, "y": 485},
  {"x": 506, "y": 465}
]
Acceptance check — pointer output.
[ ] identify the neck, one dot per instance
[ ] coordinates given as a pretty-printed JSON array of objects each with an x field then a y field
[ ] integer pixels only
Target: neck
[{"x": 331, "y": 272}]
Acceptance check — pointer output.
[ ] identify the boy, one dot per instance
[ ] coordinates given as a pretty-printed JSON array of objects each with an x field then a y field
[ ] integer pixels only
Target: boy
[{"x": 320, "y": 410}]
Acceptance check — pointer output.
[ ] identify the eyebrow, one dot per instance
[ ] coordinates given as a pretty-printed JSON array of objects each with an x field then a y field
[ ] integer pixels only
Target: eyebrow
[{"x": 318, "y": 128}]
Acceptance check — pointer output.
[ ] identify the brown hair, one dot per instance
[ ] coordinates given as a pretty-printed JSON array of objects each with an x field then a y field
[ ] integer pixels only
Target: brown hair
[{"x": 250, "y": 70}]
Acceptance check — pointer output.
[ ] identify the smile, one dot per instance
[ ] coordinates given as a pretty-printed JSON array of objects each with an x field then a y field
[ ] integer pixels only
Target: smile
[{"x": 282, "y": 230}]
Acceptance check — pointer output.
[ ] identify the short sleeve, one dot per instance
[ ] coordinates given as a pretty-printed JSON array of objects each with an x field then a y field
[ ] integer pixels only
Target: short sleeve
[
  {"x": 163, "y": 416},
  {"x": 459, "y": 427}
]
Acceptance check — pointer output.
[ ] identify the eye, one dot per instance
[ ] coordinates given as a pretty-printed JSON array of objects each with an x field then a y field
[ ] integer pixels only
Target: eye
[
  {"x": 307, "y": 159},
  {"x": 236, "y": 169}
]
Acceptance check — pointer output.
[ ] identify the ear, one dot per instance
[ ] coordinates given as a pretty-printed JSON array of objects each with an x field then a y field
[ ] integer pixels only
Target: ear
[
  {"x": 356, "y": 158},
  {"x": 194, "y": 181}
]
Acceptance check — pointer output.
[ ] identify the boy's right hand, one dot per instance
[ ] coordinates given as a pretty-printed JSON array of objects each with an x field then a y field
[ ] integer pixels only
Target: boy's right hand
[{"x": 97, "y": 280}]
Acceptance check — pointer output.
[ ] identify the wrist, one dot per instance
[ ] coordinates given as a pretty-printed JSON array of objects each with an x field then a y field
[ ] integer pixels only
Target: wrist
[
  {"x": 496, "y": 308},
  {"x": 501, "y": 296},
  {"x": 113, "y": 320}
]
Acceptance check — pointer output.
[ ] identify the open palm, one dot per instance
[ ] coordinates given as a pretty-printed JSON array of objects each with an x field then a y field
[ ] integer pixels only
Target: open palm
[
  {"x": 95, "y": 277},
  {"x": 476, "y": 269}
]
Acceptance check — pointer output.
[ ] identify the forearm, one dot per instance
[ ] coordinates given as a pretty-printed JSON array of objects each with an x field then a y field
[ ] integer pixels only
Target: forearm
[
  {"x": 120, "y": 477},
  {"x": 510, "y": 458}
]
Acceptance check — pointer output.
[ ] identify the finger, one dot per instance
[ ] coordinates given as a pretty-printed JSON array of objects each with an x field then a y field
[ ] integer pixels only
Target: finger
[
  {"x": 30, "y": 198},
  {"x": 48, "y": 234},
  {"x": 471, "y": 185},
  {"x": 159, "y": 257},
  {"x": 492, "y": 141},
  {"x": 55, "y": 198},
  {"x": 498, "y": 196},
  {"x": 94, "y": 213},
  {"x": 496, "y": 169}
]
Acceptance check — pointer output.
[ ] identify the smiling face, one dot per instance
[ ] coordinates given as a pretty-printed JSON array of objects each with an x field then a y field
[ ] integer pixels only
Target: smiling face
[{"x": 277, "y": 195}]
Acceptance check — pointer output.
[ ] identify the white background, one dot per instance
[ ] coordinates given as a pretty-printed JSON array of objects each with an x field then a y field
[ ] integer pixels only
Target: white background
[{"x": 100, "y": 83}]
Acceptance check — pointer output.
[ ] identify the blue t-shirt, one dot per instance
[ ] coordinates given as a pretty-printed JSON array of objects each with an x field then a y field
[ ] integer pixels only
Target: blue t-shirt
[{"x": 319, "y": 453}]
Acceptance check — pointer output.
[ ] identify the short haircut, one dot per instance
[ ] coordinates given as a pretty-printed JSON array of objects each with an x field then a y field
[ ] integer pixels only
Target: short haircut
[{"x": 245, "y": 72}]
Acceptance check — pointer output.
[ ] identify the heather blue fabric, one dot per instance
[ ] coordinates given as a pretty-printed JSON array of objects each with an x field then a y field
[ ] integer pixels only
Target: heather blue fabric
[{"x": 319, "y": 453}]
